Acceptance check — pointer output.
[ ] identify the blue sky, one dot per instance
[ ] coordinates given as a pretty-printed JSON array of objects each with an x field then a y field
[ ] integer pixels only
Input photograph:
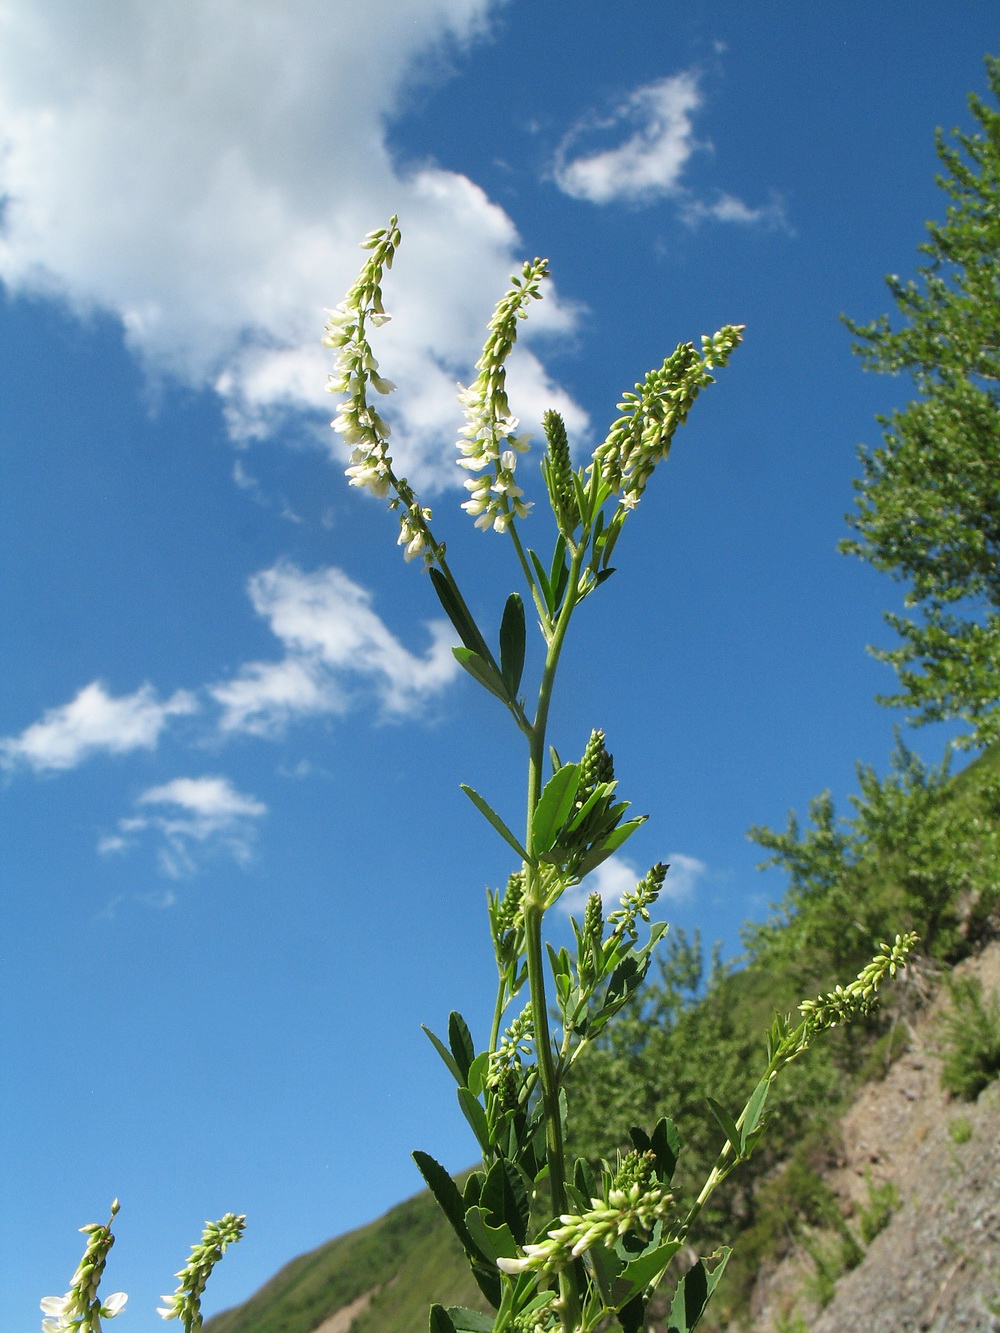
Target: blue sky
[{"x": 237, "y": 869}]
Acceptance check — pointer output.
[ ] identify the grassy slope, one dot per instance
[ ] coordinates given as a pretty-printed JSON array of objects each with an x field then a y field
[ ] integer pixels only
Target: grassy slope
[{"x": 411, "y": 1254}]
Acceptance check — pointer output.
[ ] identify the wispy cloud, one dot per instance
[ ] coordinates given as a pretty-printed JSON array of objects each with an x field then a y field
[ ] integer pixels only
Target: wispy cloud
[
  {"x": 646, "y": 165},
  {"x": 205, "y": 172},
  {"x": 337, "y": 651},
  {"x": 191, "y": 818},
  {"x": 92, "y": 723},
  {"x": 617, "y": 876},
  {"x": 338, "y": 656},
  {"x": 649, "y": 163}
]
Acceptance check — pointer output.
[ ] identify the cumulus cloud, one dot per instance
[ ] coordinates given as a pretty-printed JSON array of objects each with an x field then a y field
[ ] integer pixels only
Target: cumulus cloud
[
  {"x": 205, "y": 172},
  {"x": 649, "y": 163},
  {"x": 617, "y": 876},
  {"x": 336, "y": 649},
  {"x": 91, "y": 723},
  {"x": 191, "y": 818}
]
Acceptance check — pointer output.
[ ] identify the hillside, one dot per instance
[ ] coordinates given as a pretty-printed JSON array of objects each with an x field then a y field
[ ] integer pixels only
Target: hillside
[{"x": 872, "y": 1206}]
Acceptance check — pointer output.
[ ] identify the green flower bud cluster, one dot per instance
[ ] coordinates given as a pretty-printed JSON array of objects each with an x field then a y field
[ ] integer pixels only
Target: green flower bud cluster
[
  {"x": 557, "y": 469},
  {"x": 489, "y": 438},
  {"x": 595, "y": 766},
  {"x": 185, "y": 1303},
  {"x": 539, "y": 1320},
  {"x": 514, "y": 1043},
  {"x": 81, "y": 1310},
  {"x": 635, "y": 1168},
  {"x": 859, "y": 996},
  {"x": 641, "y": 437},
  {"x": 636, "y": 905},
  {"x": 507, "y": 920},
  {"x": 633, "y": 1210}
]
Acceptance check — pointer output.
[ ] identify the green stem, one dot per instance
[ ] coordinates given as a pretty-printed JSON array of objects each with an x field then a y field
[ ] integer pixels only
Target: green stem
[
  {"x": 534, "y": 911},
  {"x": 529, "y": 575}
]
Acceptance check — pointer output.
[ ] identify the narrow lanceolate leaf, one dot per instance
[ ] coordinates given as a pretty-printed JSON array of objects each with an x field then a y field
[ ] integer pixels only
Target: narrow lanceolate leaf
[
  {"x": 480, "y": 670},
  {"x": 445, "y": 1055},
  {"x": 473, "y": 1111},
  {"x": 693, "y": 1293},
  {"x": 554, "y": 807},
  {"x": 512, "y": 643},
  {"x": 725, "y": 1122},
  {"x": 460, "y": 1041},
  {"x": 491, "y": 815},
  {"x": 543, "y": 581},
  {"x": 445, "y": 1191},
  {"x": 754, "y": 1111},
  {"x": 611, "y": 843},
  {"x": 468, "y": 630}
]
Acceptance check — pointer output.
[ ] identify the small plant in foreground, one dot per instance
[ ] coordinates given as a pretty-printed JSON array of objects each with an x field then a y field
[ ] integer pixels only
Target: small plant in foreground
[
  {"x": 555, "y": 1245},
  {"x": 81, "y": 1309}
]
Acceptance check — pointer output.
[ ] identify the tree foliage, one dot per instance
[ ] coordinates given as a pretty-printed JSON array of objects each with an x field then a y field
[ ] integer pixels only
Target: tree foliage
[{"x": 928, "y": 509}]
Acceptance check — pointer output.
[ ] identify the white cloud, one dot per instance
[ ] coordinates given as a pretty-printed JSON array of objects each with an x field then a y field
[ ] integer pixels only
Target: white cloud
[
  {"x": 93, "y": 722},
  {"x": 205, "y": 172},
  {"x": 193, "y": 817},
  {"x": 335, "y": 645},
  {"x": 649, "y": 163},
  {"x": 617, "y": 876}
]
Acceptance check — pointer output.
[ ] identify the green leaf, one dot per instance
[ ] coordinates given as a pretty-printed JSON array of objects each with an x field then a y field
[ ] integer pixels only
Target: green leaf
[
  {"x": 693, "y": 1293},
  {"x": 597, "y": 855},
  {"x": 445, "y": 1055},
  {"x": 726, "y": 1123},
  {"x": 445, "y": 1191},
  {"x": 640, "y": 1272},
  {"x": 543, "y": 581},
  {"x": 468, "y": 630},
  {"x": 504, "y": 1199},
  {"x": 476, "y": 1079},
  {"x": 632, "y": 1316},
  {"x": 470, "y": 1321},
  {"x": 491, "y": 815},
  {"x": 480, "y": 670},
  {"x": 753, "y": 1113},
  {"x": 512, "y": 643},
  {"x": 441, "y": 1321},
  {"x": 558, "y": 572},
  {"x": 497, "y": 1242},
  {"x": 460, "y": 1041},
  {"x": 666, "y": 1144},
  {"x": 553, "y": 808},
  {"x": 476, "y": 1116}
]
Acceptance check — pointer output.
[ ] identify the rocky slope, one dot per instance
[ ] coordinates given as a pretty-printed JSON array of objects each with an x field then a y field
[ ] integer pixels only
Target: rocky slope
[{"x": 936, "y": 1265}]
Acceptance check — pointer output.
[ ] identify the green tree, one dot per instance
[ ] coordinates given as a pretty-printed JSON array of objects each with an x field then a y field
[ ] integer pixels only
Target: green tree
[{"x": 928, "y": 509}]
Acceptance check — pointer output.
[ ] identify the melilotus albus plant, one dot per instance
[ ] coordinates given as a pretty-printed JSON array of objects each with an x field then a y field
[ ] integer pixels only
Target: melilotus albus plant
[{"x": 555, "y": 1245}]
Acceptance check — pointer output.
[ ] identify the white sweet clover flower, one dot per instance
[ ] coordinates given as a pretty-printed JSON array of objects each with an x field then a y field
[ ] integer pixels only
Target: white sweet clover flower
[
  {"x": 489, "y": 440},
  {"x": 356, "y": 368},
  {"x": 413, "y": 533},
  {"x": 80, "y": 1310},
  {"x": 185, "y": 1303},
  {"x": 626, "y": 1210}
]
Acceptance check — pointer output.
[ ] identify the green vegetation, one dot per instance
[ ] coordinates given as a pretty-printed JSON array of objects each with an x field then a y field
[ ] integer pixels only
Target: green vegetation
[
  {"x": 970, "y": 1038},
  {"x": 929, "y": 500},
  {"x": 919, "y": 852}
]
